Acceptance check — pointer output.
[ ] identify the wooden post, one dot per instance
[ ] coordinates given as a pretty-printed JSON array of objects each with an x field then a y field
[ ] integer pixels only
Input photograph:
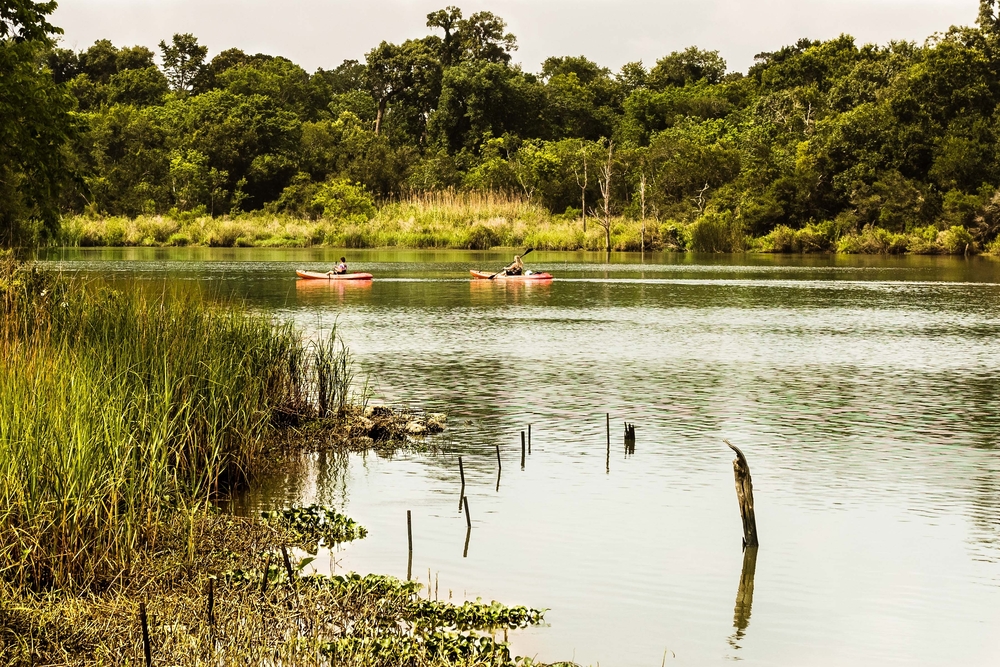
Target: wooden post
[
  {"x": 468, "y": 517},
  {"x": 499, "y": 463},
  {"x": 529, "y": 438},
  {"x": 211, "y": 601},
  {"x": 147, "y": 649},
  {"x": 291, "y": 576},
  {"x": 744, "y": 494},
  {"x": 263, "y": 579},
  {"x": 607, "y": 462},
  {"x": 468, "y": 535},
  {"x": 409, "y": 542},
  {"x": 522, "y": 450},
  {"x": 461, "y": 471}
]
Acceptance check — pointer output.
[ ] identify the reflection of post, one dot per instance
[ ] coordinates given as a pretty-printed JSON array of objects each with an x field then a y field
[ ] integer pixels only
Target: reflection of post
[
  {"x": 744, "y": 597},
  {"x": 744, "y": 494},
  {"x": 468, "y": 534}
]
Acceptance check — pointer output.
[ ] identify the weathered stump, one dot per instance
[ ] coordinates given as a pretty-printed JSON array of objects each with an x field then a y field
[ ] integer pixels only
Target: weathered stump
[{"x": 744, "y": 494}]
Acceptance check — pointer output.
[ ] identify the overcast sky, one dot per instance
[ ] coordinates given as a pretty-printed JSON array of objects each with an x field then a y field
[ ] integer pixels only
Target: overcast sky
[{"x": 322, "y": 33}]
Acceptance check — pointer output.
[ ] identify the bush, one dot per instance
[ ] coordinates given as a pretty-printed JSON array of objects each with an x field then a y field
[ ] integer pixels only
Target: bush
[
  {"x": 873, "y": 241},
  {"x": 717, "y": 232},
  {"x": 957, "y": 241},
  {"x": 480, "y": 237},
  {"x": 342, "y": 200}
]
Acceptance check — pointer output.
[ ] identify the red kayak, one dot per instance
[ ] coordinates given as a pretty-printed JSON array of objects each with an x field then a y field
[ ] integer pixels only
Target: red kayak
[
  {"x": 486, "y": 275},
  {"x": 313, "y": 275}
]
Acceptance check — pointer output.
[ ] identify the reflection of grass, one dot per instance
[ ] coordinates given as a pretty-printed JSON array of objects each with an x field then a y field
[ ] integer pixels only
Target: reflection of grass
[{"x": 479, "y": 221}]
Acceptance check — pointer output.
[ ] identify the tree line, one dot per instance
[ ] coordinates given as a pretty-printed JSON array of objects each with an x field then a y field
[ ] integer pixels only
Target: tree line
[{"x": 899, "y": 136}]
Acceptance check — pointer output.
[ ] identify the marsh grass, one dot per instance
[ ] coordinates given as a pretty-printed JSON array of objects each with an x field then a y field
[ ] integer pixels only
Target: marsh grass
[{"x": 119, "y": 410}]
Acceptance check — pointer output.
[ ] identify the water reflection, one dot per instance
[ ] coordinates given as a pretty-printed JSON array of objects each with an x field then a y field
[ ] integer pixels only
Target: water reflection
[{"x": 744, "y": 598}]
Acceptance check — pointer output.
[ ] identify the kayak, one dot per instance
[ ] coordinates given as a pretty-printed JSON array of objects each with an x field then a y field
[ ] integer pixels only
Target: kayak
[
  {"x": 313, "y": 275},
  {"x": 485, "y": 275}
]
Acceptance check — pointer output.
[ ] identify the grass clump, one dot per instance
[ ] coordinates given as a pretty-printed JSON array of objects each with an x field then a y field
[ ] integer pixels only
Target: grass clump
[{"x": 121, "y": 409}]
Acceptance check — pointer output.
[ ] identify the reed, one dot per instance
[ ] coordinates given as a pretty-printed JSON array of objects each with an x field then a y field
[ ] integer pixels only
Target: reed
[{"x": 119, "y": 410}]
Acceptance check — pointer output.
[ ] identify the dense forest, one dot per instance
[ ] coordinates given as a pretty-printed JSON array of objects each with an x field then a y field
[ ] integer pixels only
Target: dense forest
[{"x": 817, "y": 140}]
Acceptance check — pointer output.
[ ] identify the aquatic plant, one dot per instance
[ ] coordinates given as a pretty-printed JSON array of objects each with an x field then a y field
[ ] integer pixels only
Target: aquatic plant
[{"x": 315, "y": 526}]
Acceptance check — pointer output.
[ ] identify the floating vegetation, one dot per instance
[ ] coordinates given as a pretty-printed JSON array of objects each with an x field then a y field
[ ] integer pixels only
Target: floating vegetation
[{"x": 315, "y": 526}]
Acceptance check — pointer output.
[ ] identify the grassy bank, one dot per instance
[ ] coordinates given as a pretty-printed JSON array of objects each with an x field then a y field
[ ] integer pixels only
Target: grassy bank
[
  {"x": 123, "y": 416},
  {"x": 218, "y": 591},
  {"x": 117, "y": 409},
  {"x": 477, "y": 221}
]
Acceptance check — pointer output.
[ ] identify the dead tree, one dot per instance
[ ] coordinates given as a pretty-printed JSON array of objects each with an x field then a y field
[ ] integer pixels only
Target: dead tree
[
  {"x": 583, "y": 184},
  {"x": 700, "y": 199},
  {"x": 604, "y": 181},
  {"x": 642, "y": 205}
]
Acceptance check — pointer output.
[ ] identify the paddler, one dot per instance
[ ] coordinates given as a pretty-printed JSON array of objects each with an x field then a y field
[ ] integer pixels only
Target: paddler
[
  {"x": 341, "y": 268},
  {"x": 516, "y": 267}
]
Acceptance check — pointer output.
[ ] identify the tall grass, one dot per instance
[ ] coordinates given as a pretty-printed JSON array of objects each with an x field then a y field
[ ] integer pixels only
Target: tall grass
[
  {"x": 117, "y": 409},
  {"x": 483, "y": 220}
]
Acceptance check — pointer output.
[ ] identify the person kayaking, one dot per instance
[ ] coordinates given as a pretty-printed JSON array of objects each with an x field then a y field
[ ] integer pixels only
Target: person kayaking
[
  {"x": 341, "y": 268},
  {"x": 515, "y": 268}
]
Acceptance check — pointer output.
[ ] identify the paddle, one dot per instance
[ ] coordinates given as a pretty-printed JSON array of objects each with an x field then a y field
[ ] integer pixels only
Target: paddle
[{"x": 522, "y": 257}]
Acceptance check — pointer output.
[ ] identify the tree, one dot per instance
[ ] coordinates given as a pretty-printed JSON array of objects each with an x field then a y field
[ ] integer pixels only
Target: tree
[
  {"x": 481, "y": 37},
  {"x": 681, "y": 68},
  {"x": 34, "y": 125},
  {"x": 183, "y": 58},
  {"x": 988, "y": 18},
  {"x": 27, "y": 21},
  {"x": 394, "y": 70},
  {"x": 448, "y": 19},
  {"x": 605, "y": 181}
]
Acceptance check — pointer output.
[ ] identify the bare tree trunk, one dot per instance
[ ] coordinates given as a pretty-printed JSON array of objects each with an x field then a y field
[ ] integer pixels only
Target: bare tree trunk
[
  {"x": 378, "y": 117},
  {"x": 604, "y": 181},
  {"x": 642, "y": 201},
  {"x": 583, "y": 185}
]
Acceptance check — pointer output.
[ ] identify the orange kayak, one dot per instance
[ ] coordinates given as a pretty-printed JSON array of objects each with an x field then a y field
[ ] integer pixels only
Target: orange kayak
[
  {"x": 485, "y": 275},
  {"x": 313, "y": 275}
]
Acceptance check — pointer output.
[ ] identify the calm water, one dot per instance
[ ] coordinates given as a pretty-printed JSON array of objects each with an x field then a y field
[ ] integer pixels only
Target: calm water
[{"x": 864, "y": 392}]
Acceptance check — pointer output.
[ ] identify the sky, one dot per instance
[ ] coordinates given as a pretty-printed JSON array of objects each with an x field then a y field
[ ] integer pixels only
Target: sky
[{"x": 323, "y": 33}]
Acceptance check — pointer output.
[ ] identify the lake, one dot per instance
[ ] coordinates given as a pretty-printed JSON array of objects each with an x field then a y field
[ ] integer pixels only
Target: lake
[{"x": 864, "y": 392}]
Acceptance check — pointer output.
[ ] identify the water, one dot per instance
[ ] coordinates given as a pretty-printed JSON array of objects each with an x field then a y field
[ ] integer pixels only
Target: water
[{"x": 864, "y": 392}]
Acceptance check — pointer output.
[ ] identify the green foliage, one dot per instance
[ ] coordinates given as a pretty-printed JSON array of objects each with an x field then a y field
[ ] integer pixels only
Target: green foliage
[
  {"x": 315, "y": 526},
  {"x": 899, "y": 136},
  {"x": 342, "y": 200},
  {"x": 183, "y": 58},
  {"x": 119, "y": 409},
  {"x": 717, "y": 232},
  {"x": 34, "y": 126}
]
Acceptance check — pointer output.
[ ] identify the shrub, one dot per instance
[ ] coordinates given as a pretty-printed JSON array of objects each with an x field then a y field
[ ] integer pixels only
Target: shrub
[
  {"x": 480, "y": 237},
  {"x": 342, "y": 200},
  {"x": 957, "y": 241},
  {"x": 717, "y": 232}
]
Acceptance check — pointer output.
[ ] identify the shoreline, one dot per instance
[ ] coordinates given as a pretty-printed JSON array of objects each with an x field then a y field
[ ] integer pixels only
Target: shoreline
[
  {"x": 128, "y": 420},
  {"x": 489, "y": 230}
]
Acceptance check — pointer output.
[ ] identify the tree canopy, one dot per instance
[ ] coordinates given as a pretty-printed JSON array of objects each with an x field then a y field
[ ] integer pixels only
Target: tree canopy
[{"x": 900, "y": 135}]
